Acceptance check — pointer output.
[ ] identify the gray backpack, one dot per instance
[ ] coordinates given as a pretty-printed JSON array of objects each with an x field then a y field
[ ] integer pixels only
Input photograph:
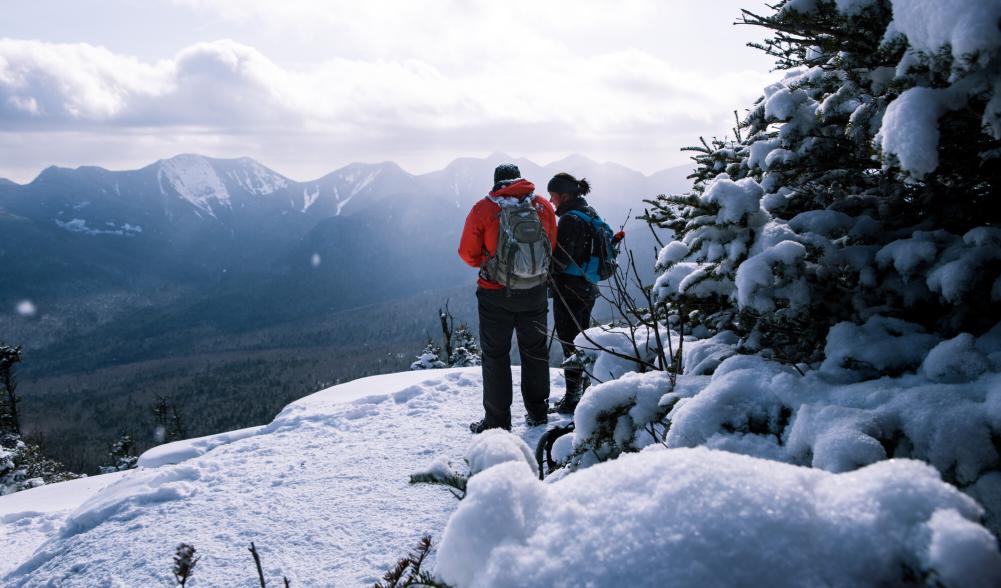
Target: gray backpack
[{"x": 523, "y": 248}]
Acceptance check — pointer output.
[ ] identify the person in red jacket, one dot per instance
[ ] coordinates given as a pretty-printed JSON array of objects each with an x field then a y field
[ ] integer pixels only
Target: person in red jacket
[{"x": 504, "y": 310}]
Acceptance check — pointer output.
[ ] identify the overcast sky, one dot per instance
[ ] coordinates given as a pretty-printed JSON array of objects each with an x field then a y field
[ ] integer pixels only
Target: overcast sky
[{"x": 305, "y": 86}]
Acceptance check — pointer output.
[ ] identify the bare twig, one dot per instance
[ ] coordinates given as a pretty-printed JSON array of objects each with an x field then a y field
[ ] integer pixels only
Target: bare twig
[
  {"x": 629, "y": 213},
  {"x": 648, "y": 293},
  {"x": 599, "y": 347},
  {"x": 447, "y": 328},
  {"x": 653, "y": 232},
  {"x": 257, "y": 561}
]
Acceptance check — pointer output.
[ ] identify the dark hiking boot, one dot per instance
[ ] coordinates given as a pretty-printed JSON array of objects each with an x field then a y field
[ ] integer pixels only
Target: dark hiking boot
[
  {"x": 481, "y": 425},
  {"x": 531, "y": 421},
  {"x": 565, "y": 405}
]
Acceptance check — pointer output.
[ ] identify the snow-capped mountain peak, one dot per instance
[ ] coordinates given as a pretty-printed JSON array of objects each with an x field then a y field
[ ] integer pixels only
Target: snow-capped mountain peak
[
  {"x": 346, "y": 183},
  {"x": 207, "y": 183},
  {"x": 255, "y": 178},
  {"x": 193, "y": 178}
]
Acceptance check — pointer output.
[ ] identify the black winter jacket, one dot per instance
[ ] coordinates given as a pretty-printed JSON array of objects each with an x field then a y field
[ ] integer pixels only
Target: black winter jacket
[{"x": 573, "y": 246}]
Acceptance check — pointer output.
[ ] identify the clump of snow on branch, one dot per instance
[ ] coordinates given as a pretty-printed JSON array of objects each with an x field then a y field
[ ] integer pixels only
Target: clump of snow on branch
[{"x": 496, "y": 446}]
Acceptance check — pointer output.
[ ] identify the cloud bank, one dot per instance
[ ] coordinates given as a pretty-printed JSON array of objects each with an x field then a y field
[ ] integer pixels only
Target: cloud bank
[
  {"x": 403, "y": 81},
  {"x": 231, "y": 87}
]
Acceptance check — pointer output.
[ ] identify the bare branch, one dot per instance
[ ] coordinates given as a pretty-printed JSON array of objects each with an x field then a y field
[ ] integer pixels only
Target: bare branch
[{"x": 257, "y": 562}]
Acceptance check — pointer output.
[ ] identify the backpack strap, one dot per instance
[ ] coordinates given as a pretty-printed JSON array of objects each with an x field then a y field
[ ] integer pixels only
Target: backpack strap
[
  {"x": 591, "y": 221},
  {"x": 582, "y": 215},
  {"x": 574, "y": 268}
]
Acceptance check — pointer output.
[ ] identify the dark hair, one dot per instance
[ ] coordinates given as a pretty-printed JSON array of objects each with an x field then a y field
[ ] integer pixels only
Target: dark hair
[{"x": 564, "y": 183}]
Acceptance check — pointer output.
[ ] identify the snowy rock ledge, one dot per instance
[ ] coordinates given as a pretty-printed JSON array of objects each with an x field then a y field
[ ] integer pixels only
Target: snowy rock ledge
[{"x": 699, "y": 517}]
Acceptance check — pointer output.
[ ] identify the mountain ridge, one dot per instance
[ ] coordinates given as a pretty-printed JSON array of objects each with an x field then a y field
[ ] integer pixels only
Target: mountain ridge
[{"x": 573, "y": 159}]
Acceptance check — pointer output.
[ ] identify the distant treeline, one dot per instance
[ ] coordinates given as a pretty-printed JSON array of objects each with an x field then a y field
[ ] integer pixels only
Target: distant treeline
[{"x": 224, "y": 381}]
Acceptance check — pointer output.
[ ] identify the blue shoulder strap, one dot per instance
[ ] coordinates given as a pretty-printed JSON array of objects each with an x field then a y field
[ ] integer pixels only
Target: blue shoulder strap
[
  {"x": 590, "y": 269},
  {"x": 582, "y": 215}
]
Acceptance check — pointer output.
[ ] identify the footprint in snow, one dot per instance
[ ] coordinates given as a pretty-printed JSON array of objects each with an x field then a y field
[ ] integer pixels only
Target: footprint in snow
[
  {"x": 407, "y": 394},
  {"x": 359, "y": 412}
]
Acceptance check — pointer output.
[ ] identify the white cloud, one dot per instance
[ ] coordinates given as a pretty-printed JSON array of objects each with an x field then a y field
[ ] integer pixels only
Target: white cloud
[
  {"x": 388, "y": 80},
  {"x": 227, "y": 86},
  {"x": 47, "y": 83}
]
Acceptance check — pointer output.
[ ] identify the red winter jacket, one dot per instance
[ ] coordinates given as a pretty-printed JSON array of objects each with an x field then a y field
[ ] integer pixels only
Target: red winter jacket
[{"x": 479, "y": 235}]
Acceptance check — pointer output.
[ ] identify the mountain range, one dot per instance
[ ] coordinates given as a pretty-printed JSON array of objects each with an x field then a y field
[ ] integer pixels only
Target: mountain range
[
  {"x": 240, "y": 245},
  {"x": 195, "y": 257}
]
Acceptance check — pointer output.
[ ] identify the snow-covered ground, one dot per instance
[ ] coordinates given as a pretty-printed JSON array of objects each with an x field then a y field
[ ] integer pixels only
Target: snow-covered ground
[
  {"x": 30, "y": 517},
  {"x": 323, "y": 491}
]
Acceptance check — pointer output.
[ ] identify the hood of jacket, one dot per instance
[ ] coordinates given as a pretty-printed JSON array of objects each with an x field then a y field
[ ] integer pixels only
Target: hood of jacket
[{"x": 518, "y": 189}]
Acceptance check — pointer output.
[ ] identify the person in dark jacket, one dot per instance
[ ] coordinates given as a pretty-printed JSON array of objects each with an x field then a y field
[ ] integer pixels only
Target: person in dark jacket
[
  {"x": 503, "y": 311},
  {"x": 573, "y": 295}
]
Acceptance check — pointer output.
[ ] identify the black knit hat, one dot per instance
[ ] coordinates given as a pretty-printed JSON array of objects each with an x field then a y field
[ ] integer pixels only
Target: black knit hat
[
  {"x": 561, "y": 184},
  {"x": 506, "y": 171}
]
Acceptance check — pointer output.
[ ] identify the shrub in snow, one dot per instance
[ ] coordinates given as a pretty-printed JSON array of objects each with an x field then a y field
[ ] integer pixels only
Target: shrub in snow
[
  {"x": 622, "y": 415},
  {"x": 185, "y": 561},
  {"x": 465, "y": 351},
  {"x": 864, "y": 181},
  {"x": 9, "y": 358},
  {"x": 699, "y": 517},
  {"x": 122, "y": 455},
  {"x": 947, "y": 414},
  {"x": 409, "y": 570},
  {"x": 440, "y": 472},
  {"x": 429, "y": 359},
  {"x": 11, "y": 476},
  {"x": 488, "y": 449},
  {"x": 24, "y": 466}
]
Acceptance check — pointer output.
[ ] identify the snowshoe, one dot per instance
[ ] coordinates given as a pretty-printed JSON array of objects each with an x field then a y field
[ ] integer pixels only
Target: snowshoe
[{"x": 544, "y": 448}]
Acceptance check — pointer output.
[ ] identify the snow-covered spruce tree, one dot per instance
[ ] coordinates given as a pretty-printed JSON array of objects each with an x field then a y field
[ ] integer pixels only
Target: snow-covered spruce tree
[
  {"x": 122, "y": 455},
  {"x": 429, "y": 359},
  {"x": 465, "y": 351},
  {"x": 851, "y": 229},
  {"x": 9, "y": 422},
  {"x": 22, "y": 464},
  {"x": 865, "y": 182}
]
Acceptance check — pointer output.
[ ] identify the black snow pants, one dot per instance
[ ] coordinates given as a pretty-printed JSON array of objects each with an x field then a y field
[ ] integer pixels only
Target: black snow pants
[
  {"x": 573, "y": 300},
  {"x": 523, "y": 312}
]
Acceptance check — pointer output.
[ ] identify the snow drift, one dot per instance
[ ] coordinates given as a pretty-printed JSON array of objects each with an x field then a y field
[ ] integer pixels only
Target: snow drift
[{"x": 699, "y": 517}]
